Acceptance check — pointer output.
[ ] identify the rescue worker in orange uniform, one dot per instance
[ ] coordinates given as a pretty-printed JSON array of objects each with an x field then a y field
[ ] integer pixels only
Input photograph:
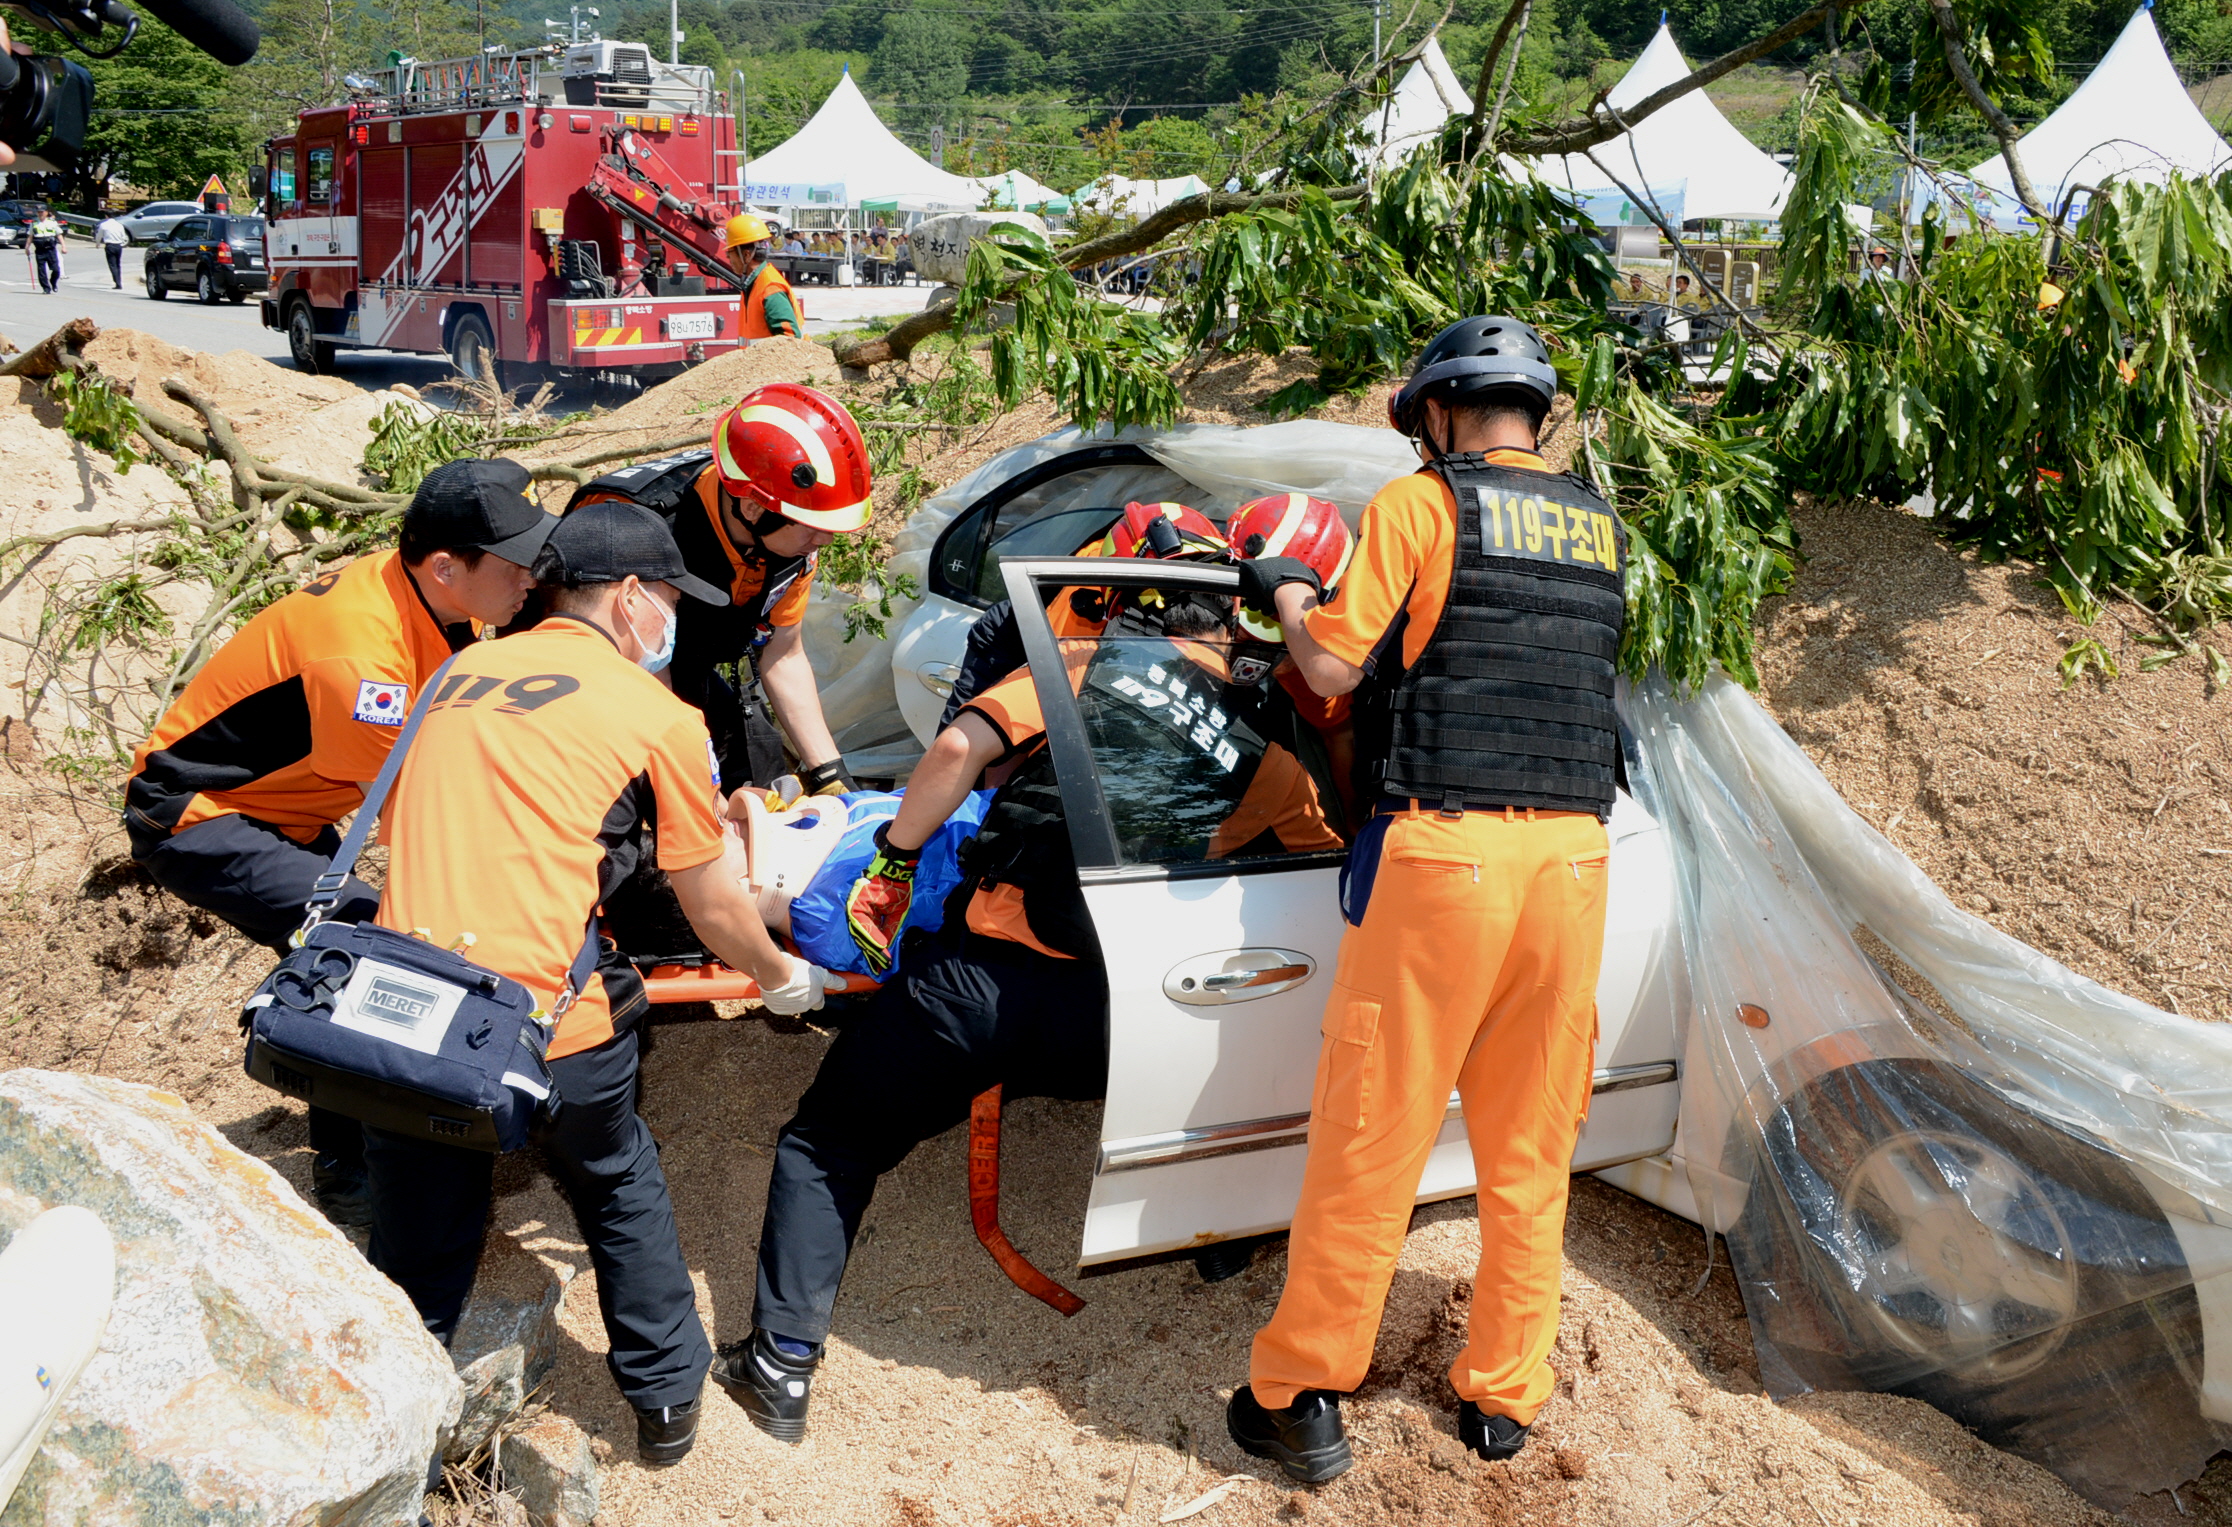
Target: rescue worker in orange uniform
[
  {"x": 1478, "y": 628},
  {"x": 233, "y": 797},
  {"x": 768, "y": 307},
  {"x": 515, "y": 813}
]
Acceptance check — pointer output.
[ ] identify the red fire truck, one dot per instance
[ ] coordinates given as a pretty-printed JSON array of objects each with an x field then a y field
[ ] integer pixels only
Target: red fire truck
[{"x": 554, "y": 212}]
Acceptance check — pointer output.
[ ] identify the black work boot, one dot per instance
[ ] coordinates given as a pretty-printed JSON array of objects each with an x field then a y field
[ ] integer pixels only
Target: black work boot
[
  {"x": 1305, "y": 1440},
  {"x": 666, "y": 1433},
  {"x": 771, "y": 1385},
  {"x": 1494, "y": 1438},
  {"x": 340, "y": 1193}
]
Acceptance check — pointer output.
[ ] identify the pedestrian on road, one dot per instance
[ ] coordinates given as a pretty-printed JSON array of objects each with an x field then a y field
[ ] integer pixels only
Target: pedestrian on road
[
  {"x": 46, "y": 251},
  {"x": 112, "y": 238}
]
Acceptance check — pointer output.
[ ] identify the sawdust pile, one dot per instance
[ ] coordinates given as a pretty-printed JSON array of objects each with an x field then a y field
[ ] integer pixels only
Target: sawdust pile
[{"x": 2093, "y": 822}]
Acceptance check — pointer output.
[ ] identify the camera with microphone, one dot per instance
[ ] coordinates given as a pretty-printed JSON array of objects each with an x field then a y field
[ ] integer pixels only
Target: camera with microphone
[{"x": 46, "y": 101}]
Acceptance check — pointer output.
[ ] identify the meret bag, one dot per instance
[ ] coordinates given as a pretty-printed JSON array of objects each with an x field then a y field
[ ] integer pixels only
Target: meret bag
[{"x": 398, "y": 1032}]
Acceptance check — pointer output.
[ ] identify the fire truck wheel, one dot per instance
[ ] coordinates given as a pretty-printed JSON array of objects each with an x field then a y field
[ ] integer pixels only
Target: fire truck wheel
[
  {"x": 471, "y": 349},
  {"x": 302, "y": 341}
]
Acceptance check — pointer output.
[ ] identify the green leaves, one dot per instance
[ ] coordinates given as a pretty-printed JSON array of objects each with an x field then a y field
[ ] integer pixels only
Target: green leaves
[{"x": 99, "y": 415}]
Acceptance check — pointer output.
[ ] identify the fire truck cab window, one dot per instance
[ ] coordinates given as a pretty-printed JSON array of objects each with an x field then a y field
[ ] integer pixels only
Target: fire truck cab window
[
  {"x": 321, "y": 173},
  {"x": 283, "y": 177}
]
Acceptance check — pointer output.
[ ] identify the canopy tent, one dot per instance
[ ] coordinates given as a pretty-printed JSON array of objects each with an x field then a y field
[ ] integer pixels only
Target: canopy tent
[
  {"x": 1427, "y": 96},
  {"x": 847, "y": 150},
  {"x": 1137, "y": 198},
  {"x": 1687, "y": 152},
  {"x": 2130, "y": 120},
  {"x": 1013, "y": 190}
]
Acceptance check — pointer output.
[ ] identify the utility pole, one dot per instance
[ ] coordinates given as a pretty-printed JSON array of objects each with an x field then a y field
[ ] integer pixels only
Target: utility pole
[
  {"x": 1376, "y": 5},
  {"x": 674, "y": 31}
]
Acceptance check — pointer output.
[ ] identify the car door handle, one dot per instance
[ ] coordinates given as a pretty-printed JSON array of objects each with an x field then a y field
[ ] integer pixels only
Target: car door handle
[{"x": 1236, "y": 975}]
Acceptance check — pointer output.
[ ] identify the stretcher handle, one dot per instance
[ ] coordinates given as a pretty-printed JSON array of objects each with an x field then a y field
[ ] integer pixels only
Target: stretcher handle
[{"x": 714, "y": 982}]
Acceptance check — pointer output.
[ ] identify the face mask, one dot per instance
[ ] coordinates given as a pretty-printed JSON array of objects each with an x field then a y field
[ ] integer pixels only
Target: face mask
[{"x": 655, "y": 660}]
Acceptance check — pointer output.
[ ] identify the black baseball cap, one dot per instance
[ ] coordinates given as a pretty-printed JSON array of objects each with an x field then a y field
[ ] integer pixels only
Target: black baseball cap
[
  {"x": 604, "y": 542},
  {"x": 482, "y": 505}
]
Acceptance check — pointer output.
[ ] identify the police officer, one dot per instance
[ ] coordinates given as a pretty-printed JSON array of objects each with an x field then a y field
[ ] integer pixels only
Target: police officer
[
  {"x": 1478, "y": 627},
  {"x": 233, "y": 797},
  {"x": 502, "y": 837},
  {"x": 46, "y": 250},
  {"x": 768, "y": 307}
]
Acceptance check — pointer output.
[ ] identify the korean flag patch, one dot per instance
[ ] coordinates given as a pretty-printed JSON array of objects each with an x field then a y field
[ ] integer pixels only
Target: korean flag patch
[{"x": 381, "y": 703}]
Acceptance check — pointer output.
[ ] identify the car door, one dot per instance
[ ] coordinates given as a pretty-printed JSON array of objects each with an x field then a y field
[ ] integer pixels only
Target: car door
[
  {"x": 181, "y": 250},
  {"x": 1220, "y": 954}
]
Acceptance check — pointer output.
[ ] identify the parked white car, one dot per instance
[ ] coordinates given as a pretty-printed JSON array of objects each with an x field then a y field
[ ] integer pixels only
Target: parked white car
[{"x": 1897, "y": 1222}]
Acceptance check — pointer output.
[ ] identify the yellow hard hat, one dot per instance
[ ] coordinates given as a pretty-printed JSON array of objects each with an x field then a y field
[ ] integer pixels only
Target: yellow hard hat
[{"x": 744, "y": 228}]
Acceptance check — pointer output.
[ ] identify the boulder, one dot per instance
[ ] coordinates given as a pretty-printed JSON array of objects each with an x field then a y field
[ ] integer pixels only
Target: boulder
[
  {"x": 506, "y": 1342},
  {"x": 548, "y": 1465},
  {"x": 940, "y": 245},
  {"x": 255, "y": 1370}
]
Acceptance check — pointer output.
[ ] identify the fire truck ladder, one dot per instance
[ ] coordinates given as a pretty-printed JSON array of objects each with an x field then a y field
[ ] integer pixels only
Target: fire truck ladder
[{"x": 629, "y": 181}]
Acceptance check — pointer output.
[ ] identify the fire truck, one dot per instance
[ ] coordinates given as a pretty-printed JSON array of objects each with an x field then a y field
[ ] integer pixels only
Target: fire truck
[{"x": 549, "y": 212}]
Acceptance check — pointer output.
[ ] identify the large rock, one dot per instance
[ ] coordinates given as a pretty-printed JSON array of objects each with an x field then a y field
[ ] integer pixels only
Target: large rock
[
  {"x": 506, "y": 1342},
  {"x": 255, "y": 1369},
  {"x": 940, "y": 245},
  {"x": 549, "y": 1465}
]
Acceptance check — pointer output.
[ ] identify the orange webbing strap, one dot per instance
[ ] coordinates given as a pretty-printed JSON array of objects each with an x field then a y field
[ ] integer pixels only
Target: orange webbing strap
[{"x": 984, "y": 1207}]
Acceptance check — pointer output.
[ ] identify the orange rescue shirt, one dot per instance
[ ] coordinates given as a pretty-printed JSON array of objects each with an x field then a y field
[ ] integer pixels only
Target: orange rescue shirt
[
  {"x": 1406, "y": 549},
  {"x": 291, "y": 718},
  {"x": 539, "y": 754}
]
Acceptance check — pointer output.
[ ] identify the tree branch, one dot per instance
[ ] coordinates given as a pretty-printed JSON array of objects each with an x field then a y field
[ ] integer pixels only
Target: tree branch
[
  {"x": 1488, "y": 65},
  {"x": 1956, "y": 59},
  {"x": 898, "y": 342},
  {"x": 1582, "y": 133}
]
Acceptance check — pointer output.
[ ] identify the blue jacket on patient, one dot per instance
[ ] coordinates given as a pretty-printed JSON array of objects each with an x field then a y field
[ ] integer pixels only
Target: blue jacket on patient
[{"x": 818, "y": 913}]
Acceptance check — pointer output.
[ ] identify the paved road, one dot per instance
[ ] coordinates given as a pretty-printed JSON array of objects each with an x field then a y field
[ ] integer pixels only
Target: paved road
[{"x": 27, "y": 315}]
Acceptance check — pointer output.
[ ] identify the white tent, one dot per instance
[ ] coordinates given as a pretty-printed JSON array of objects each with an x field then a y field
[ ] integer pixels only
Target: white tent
[
  {"x": 1686, "y": 157},
  {"x": 1427, "y": 96},
  {"x": 2130, "y": 120},
  {"x": 1138, "y": 198},
  {"x": 846, "y": 156},
  {"x": 1013, "y": 189}
]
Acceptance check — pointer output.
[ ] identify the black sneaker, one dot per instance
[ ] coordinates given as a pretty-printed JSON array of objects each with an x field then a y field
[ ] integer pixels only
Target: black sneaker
[
  {"x": 1494, "y": 1438},
  {"x": 1306, "y": 1439},
  {"x": 666, "y": 1433},
  {"x": 772, "y": 1387},
  {"x": 341, "y": 1195}
]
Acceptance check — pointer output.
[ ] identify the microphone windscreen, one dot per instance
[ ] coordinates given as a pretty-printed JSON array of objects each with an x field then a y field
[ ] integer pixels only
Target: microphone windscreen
[{"x": 217, "y": 27}]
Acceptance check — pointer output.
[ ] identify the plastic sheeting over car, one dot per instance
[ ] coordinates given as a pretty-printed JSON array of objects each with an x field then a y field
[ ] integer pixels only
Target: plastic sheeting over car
[
  {"x": 1225, "y": 466},
  {"x": 2005, "y": 1191}
]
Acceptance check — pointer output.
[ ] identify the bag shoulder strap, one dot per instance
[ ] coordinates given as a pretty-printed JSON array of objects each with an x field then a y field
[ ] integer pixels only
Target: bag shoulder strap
[{"x": 325, "y": 891}]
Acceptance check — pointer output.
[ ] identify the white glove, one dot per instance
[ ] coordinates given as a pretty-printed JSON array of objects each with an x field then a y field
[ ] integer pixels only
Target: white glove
[{"x": 802, "y": 993}]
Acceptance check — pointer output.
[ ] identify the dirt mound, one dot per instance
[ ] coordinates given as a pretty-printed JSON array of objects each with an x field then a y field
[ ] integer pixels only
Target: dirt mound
[
  {"x": 686, "y": 404},
  {"x": 2089, "y": 821}
]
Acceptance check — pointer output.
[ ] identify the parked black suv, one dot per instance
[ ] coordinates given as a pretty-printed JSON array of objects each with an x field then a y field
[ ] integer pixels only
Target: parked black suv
[{"x": 215, "y": 256}]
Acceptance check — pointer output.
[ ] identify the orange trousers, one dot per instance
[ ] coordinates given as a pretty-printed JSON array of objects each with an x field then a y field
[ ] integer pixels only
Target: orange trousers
[{"x": 1474, "y": 967}]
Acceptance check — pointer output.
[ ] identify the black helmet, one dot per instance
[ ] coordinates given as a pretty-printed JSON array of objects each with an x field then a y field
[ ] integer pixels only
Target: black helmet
[{"x": 1472, "y": 359}]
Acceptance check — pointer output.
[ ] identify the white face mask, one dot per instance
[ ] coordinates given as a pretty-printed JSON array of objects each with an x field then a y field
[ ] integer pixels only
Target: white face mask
[{"x": 655, "y": 660}]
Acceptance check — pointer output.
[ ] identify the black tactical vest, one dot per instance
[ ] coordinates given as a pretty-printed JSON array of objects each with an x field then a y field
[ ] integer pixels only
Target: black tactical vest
[{"x": 1510, "y": 704}]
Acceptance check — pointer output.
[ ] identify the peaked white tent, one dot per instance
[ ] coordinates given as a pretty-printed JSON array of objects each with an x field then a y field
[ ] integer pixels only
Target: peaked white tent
[
  {"x": 1015, "y": 189},
  {"x": 845, "y": 156},
  {"x": 2130, "y": 120},
  {"x": 1427, "y": 96},
  {"x": 1686, "y": 157},
  {"x": 1138, "y": 198}
]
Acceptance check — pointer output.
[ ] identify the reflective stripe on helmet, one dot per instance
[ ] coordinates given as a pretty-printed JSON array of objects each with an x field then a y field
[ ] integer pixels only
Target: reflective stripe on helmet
[{"x": 809, "y": 440}]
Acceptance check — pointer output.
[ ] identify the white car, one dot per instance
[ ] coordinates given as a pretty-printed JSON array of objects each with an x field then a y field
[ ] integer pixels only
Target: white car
[
  {"x": 1896, "y": 1223},
  {"x": 152, "y": 223}
]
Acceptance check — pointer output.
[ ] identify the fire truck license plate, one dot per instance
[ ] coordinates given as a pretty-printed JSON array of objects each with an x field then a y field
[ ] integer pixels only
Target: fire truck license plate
[{"x": 690, "y": 326}]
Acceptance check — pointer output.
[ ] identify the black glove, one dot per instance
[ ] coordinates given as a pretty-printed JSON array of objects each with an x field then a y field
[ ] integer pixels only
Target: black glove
[
  {"x": 1262, "y": 577},
  {"x": 831, "y": 778}
]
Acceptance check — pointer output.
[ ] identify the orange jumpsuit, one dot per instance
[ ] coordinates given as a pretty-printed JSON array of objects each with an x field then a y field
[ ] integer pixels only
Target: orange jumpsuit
[
  {"x": 1471, "y": 964},
  {"x": 751, "y": 308}
]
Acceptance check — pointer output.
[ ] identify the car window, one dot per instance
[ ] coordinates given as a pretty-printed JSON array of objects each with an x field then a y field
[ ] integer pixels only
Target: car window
[
  {"x": 964, "y": 568},
  {"x": 283, "y": 177},
  {"x": 320, "y": 173},
  {"x": 191, "y": 230},
  {"x": 1057, "y": 533},
  {"x": 1201, "y": 754}
]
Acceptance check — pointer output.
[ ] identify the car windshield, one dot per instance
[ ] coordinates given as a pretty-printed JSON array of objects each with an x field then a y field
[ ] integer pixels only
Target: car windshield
[{"x": 247, "y": 230}]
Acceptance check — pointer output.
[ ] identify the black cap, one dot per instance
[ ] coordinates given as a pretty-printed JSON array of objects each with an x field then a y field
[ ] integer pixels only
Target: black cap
[
  {"x": 482, "y": 505},
  {"x": 605, "y": 541}
]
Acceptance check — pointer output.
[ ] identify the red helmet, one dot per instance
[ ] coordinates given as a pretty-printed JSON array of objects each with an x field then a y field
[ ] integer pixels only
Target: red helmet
[
  {"x": 1198, "y": 537},
  {"x": 795, "y": 452},
  {"x": 1290, "y": 525}
]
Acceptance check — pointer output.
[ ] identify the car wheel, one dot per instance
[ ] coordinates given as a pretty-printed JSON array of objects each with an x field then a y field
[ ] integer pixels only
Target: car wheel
[
  {"x": 471, "y": 349},
  {"x": 310, "y": 354},
  {"x": 1912, "y": 1231},
  {"x": 155, "y": 287},
  {"x": 205, "y": 287}
]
